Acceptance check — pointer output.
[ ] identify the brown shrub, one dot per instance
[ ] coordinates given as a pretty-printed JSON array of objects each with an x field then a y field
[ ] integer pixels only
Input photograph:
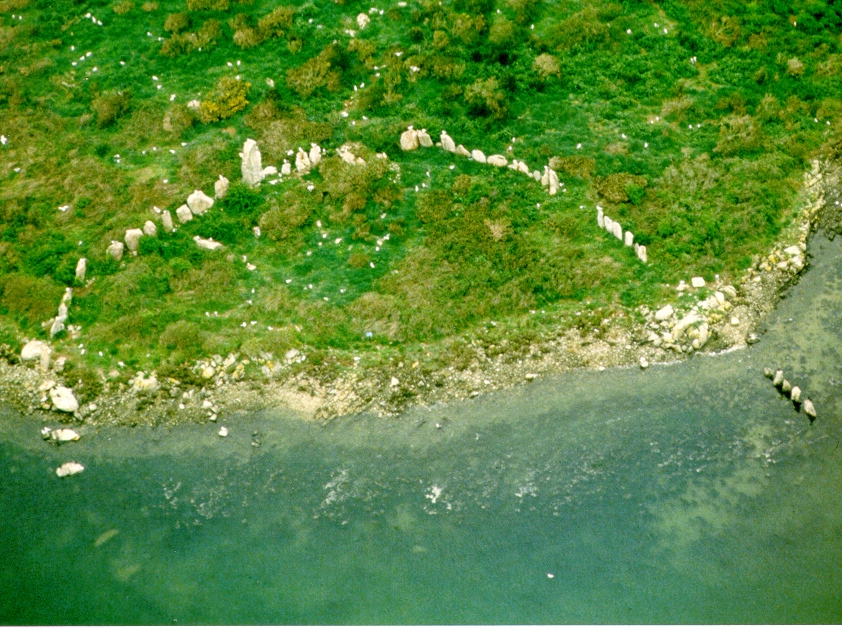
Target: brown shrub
[
  {"x": 109, "y": 107},
  {"x": 228, "y": 98},
  {"x": 123, "y": 7},
  {"x": 176, "y": 22},
  {"x": 575, "y": 165},
  {"x": 615, "y": 187},
  {"x": 36, "y": 299}
]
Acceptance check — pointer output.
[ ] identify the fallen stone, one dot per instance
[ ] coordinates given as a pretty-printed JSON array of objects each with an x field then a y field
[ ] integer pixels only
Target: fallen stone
[
  {"x": 166, "y": 220},
  {"x": 447, "y": 143},
  {"x": 64, "y": 435},
  {"x": 183, "y": 213},
  {"x": 220, "y": 187},
  {"x": 207, "y": 243},
  {"x": 69, "y": 468},
  {"x": 768, "y": 373},
  {"x": 115, "y": 250},
  {"x": 478, "y": 156},
  {"x": 199, "y": 203},
  {"x": 149, "y": 229},
  {"x": 251, "y": 165},
  {"x": 36, "y": 350},
  {"x": 133, "y": 239},
  {"x": 64, "y": 400},
  {"x": 81, "y": 269},
  {"x": 270, "y": 170},
  {"x": 697, "y": 282},
  {"x": 497, "y": 160},
  {"x": 664, "y": 313},
  {"x": 809, "y": 409}
]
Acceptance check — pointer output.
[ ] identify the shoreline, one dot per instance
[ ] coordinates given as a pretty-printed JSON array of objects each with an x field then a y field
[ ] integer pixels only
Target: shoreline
[{"x": 725, "y": 320}]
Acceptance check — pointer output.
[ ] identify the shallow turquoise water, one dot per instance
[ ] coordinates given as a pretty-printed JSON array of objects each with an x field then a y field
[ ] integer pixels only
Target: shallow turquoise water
[{"x": 686, "y": 493}]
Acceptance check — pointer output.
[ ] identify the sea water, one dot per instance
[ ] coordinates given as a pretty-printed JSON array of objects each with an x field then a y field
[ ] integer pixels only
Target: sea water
[{"x": 686, "y": 493}]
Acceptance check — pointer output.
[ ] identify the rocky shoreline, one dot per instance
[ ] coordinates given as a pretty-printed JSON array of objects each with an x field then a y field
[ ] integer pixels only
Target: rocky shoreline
[{"x": 710, "y": 318}]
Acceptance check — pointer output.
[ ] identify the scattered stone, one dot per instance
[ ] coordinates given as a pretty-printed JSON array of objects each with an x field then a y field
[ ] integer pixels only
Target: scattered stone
[
  {"x": 795, "y": 394},
  {"x": 478, "y": 156},
  {"x": 207, "y": 243},
  {"x": 64, "y": 400},
  {"x": 530, "y": 377},
  {"x": 69, "y": 468},
  {"x": 497, "y": 160},
  {"x": 149, "y": 229},
  {"x": 251, "y": 166},
  {"x": 199, "y": 203},
  {"x": 64, "y": 435},
  {"x": 133, "y": 239},
  {"x": 81, "y": 269},
  {"x": 664, "y": 313},
  {"x": 643, "y": 363},
  {"x": 793, "y": 250},
  {"x": 447, "y": 143},
  {"x": 778, "y": 380},
  {"x": 166, "y": 219},
  {"x": 220, "y": 187},
  {"x": 394, "y": 382},
  {"x": 183, "y": 213},
  {"x": 697, "y": 282},
  {"x": 115, "y": 250},
  {"x": 208, "y": 372},
  {"x": 730, "y": 291},
  {"x": 810, "y": 410},
  {"x": 223, "y": 432},
  {"x": 768, "y": 373}
]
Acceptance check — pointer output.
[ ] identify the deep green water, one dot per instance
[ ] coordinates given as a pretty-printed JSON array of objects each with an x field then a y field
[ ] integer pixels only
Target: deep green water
[{"x": 686, "y": 493}]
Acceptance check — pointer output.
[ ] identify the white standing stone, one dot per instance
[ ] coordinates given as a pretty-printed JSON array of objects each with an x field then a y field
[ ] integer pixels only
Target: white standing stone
[
  {"x": 478, "y": 156},
  {"x": 149, "y": 229},
  {"x": 447, "y": 143},
  {"x": 608, "y": 223},
  {"x": 629, "y": 240},
  {"x": 409, "y": 140},
  {"x": 69, "y": 468},
  {"x": 64, "y": 400},
  {"x": 207, "y": 243},
  {"x": 497, "y": 160},
  {"x": 600, "y": 218},
  {"x": 618, "y": 230},
  {"x": 664, "y": 313},
  {"x": 698, "y": 282},
  {"x": 302, "y": 161},
  {"x": 461, "y": 150},
  {"x": 220, "y": 187},
  {"x": 36, "y": 350},
  {"x": 252, "y": 165},
  {"x": 286, "y": 168},
  {"x": 199, "y": 202},
  {"x": 523, "y": 168},
  {"x": 115, "y": 250},
  {"x": 424, "y": 139},
  {"x": 315, "y": 154},
  {"x": 183, "y": 213},
  {"x": 81, "y": 269},
  {"x": 809, "y": 409},
  {"x": 778, "y": 379},
  {"x": 363, "y": 20},
  {"x": 641, "y": 253},
  {"x": 133, "y": 239},
  {"x": 166, "y": 219},
  {"x": 554, "y": 183},
  {"x": 795, "y": 394}
]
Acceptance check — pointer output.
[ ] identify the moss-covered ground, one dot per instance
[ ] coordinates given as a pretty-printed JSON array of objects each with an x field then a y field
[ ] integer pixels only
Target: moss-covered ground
[{"x": 690, "y": 122}]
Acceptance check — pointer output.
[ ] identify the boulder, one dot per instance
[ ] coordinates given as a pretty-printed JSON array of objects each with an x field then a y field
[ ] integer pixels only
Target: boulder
[
  {"x": 142, "y": 384},
  {"x": 166, "y": 219},
  {"x": 315, "y": 154},
  {"x": 424, "y": 139},
  {"x": 461, "y": 150},
  {"x": 697, "y": 282},
  {"x": 478, "y": 156},
  {"x": 683, "y": 324},
  {"x": 149, "y": 229},
  {"x": 69, "y": 468},
  {"x": 64, "y": 400},
  {"x": 269, "y": 170},
  {"x": 664, "y": 313},
  {"x": 409, "y": 140},
  {"x": 115, "y": 250},
  {"x": 183, "y": 213},
  {"x": 81, "y": 269},
  {"x": 133, "y": 239},
  {"x": 497, "y": 160},
  {"x": 302, "y": 161},
  {"x": 643, "y": 363},
  {"x": 629, "y": 239},
  {"x": 809, "y": 409},
  {"x": 207, "y": 243},
  {"x": 64, "y": 435},
  {"x": 220, "y": 187},
  {"x": 199, "y": 202},
  {"x": 251, "y": 166},
  {"x": 223, "y": 432},
  {"x": 447, "y": 143}
]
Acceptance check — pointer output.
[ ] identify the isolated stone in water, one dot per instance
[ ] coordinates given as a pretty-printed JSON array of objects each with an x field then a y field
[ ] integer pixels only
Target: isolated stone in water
[{"x": 70, "y": 468}]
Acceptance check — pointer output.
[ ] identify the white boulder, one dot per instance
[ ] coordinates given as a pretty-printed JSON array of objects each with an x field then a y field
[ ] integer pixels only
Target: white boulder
[
  {"x": 251, "y": 166},
  {"x": 64, "y": 400},
  {"x": 69, "y": 468},
  {"x": 81, "y": 269},
  {"x": 220, "y": 187},
  {"x": 447, "y": 143},
  {"x": 315, "y": 154},
  {"x": 149, "y": 229},
  {"x": 115, "y": 250},
  {"x": 199, "y": 202},
  {"x": 133, "y": 239},
  {"x": 36, "y": 350},
  {"x": 302, "y": 161},
  {"x": 166, "y": 219},
  {"x": 183, "y": 213}
]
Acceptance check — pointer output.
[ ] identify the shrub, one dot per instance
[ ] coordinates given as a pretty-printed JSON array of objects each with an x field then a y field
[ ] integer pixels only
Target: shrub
[
  {"x": 615, "y": 187},
  {"x": 178, "y": 118},
  {"x": 246, "y": 38},
  {"x": 207, "y": 5},
  {"x": 575, "y": 165},
  {"x": 149, "y": 7},
  {"x": 182, "y": 335},
  {"x": 276, "y": 23},
  {"x": 176, "y": 22},
  {"x": 35, "y": 299},
  {"x": 288, "y": 214},
  {"x": 242, "y": 201},
  {"x": 227, "y": 99},
  {"x": 314, "y": 74},
  {"x": 123, "y": 7},
  {"x": 110, "y": 106},
  {"x": 546, "y": 66},
  {"x": 737, "y": 134},
  {"x": 484, "y": 98},
  {"x": 358, "y": 260}
]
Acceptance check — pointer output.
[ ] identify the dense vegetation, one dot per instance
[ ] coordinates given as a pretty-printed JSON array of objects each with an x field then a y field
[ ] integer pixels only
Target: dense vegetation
[{"x": 691, "y": 122}]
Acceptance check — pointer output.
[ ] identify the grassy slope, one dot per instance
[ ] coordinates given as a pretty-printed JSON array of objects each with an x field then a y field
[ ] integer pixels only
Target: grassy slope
[{"x": 720, "y": 145}]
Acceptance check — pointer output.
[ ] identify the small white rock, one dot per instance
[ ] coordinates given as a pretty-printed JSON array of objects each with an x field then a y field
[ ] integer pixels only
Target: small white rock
[
  {"x": 223, "y": 432},
  {"x": 69, "y": 468},
  {"x": 64, "y": 435}
]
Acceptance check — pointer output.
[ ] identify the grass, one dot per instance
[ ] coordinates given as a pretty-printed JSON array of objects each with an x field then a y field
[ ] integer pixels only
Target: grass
[{"x": 689, "y": 122}]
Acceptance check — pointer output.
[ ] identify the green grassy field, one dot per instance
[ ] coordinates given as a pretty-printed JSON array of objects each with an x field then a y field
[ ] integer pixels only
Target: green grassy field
[{"x": 690, "y": 122}]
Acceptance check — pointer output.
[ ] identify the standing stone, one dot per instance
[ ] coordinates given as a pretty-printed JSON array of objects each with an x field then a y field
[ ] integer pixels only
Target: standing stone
[
  {"x": 478, "y": 156},
  {"x": 810, "y": 410},
  {"x": 149, "y": 229},
  {"x": 220, "y": 187},
  {"x": 795, "y": 394},
  {"x": 779, "y": 378},
  {"x": 81, "y": 269},
  {"x": 199, "y": 203},
  {"x": 497, "y": 160},
  {"x": 600, "y": 217},
  {"x": 183, "y": 213},
  {"x": 302, "y": 161},
  {"x": 447, "y": 143},
  {"x": 786, "y": 388},
  {"x": 461, "y": 150},
  {"x": 409, "y": 140},
  {"x": 629, "y": 239},
  {"x": 133, "y": 239},
  {"x": 286, "y": 168},
  {"x": 523, "y": 168},
  {"x": 363, "y": 20},
  {"x": 251, "y": 163},
  {"x": 641, "y": 253},
  {"x": 553, "y": 177},
  {"x": 166, "y": 219},
  {"x": 424, "y": 139},
  {"x": 609, "y": 224},
  {"x": 315, "y": 154},
  {"x": 618, "y": 230},
  {"x": 115, "y": 250}
]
